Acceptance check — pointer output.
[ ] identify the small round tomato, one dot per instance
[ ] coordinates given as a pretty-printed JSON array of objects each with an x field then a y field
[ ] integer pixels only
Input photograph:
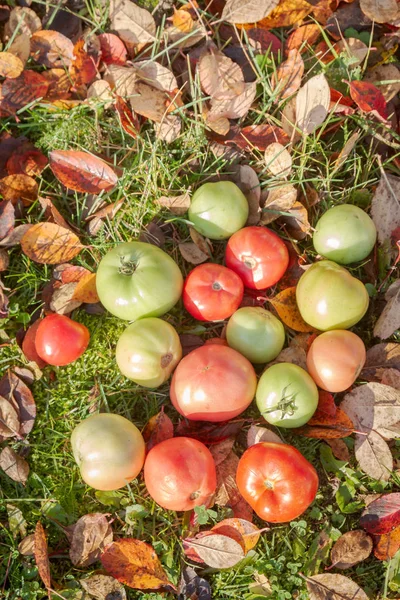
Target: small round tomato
[
  {"x": 344, "y": 234},
  {"x": 218, "y": 209},
  {"x": 277, "y": 481},
  {"x": 258, "y": 256},
  {"x": 213, "y": 383},
  {"x": 180, "y": 474},
  {"x": 286, "y": 395},
  {"x": 29, "y": 345},
  {"x": 59, "y": 340},
  {"x": 335, "y": 359},
  {"x": 329, "y": 297},
  {"x": 136, "y": 280},
  {"x": 109, "y": 451},
  {"x": 148, "y": 351},
  {"x": 256, "y": 333},
  {"x": 212, "y": 292}
]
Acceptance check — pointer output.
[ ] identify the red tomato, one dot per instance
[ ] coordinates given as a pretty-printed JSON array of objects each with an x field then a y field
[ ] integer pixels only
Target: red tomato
[
  {"x": 212, "y": 292},
  {"x": 213, "y": 383},
  {"x": 179, "y": 474},
  {"x": 277, "y": 481},
  {"x": 29, "y": 345},
  {"x": 258, "y": 256},
  {"x": 60, "y": 340}
]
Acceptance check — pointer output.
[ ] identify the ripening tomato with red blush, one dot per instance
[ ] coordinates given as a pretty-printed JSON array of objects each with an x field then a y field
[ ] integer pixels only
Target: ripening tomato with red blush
[
  {"x": 277, "y": 481},
  {"x": 180, "y": 474},
  {"x": 212, "y": 292},
  {"x": 258, "y": 256},
  {"x": 60, "y": 341}
]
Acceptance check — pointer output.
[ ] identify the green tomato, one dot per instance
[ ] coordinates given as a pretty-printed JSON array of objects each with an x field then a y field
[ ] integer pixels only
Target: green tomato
[
  {"x": 286, "y": 395},
  {"x": 136, "y": 280},
  {"x": 256, "y": 333},
  {"x": 219, "y": 209},
  {"x": 148, "y": 351},
  {"x": 344, "y": 234},
  {"x": 329, "y": 297}
]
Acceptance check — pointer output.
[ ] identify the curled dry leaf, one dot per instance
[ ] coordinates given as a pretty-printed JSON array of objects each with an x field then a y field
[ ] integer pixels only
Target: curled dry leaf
[
  {"x": 192, "y": 253},
  {"x": 9, "y": 419},
  {"x": 134, "y": 25},
  {"x": 385, "y": 207},
  {"x": 247, "y": 180},
  {"x": 177, "y": 205},
  {"x": 19, "y": 395},
  {"x": 312, "y": 103},
  {"x": 382, "y": 515},
  {"x": 113, "y": 51},
  {"x": 279, "y": 199},
  {"x": 288, "y": 76},
  {"x": 22, "y": 91},
  {"x": 82, "y": 172},
  {"x": 217, "y": 551},
  {"x": 278, "y": 160},
  {"x": 135, "y": 564},
  {"x": 220, "y": 77},
  {"x": 19, "y": 187},
  {"x": 52, "y": 214},
  {"x": 381, "y": 11},
  {"x": 51, "y": 49},
  {"x": 10, "y": 65},
  {"x": 350, "y": 549},
  {"x": 13, "y": 465},
  {"x": 103, "y": 587},
  {"x": 91, "y": 534},
  {"x": 48, "y": 243},
  {"x": 257, "y": 434},
  {"x": 41, "y": 555},
  {"x": 334, "y": 587},
  {"x": 247, "y": 11},
  {"x": 244, "y": 532},
  {"x": 346, "y": 150},
  {"x": 286, "y": 306},
  {"x": 158, "y": 429}
]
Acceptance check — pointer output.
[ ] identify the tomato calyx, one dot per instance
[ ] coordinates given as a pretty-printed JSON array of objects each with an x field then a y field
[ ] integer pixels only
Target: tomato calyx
[
  {"x": 194, "y": 495},
  {"x": 250, "y": 262},
  {"x": 216, "y": 286},
  {"x": 269, "y": 486},
  {"x": 287, "y": 404},
  {"x": 127, "y": 266}
]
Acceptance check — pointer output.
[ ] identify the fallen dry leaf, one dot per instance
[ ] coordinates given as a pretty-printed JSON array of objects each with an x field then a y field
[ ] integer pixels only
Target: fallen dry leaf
[
  {"x": 41, "y": 556},
  {"x": 91, "y": 534},
  {"x": 222, "y": 450},
  {"x": 220, "y": 77},
  {"x": 278, "y": 160},
  {"x": 51, "y": 49},
  {"x": 385, "y": 207},
  {"x": 257, "y": 434},
  {"x": 339, "y": 449},
  {"x": 100, "y": 90},
  {"x": 334, "y": 587},
  {"x": 247, "y": 11},
  {"x": 368, "y": 98},
  {"x": 9, "y": 419},
  {"x": 7, "y": 218},
  {"x": 389, "y": 319},
  {"x": 178, "y": 205},
  {"x": 217, "y": 551},
  {"x": 295, "y": 355},
  {"x": 23, "y": 20},
  {"x": 379, "y": 357},
  {"x": 244, "y": 532},
  {"x": 350, "y": 549},
  {"x": 381, "y": 11},
  {"x": 288, "y": 76},
  {"x": 303, "y": 36},
  {"x": 247, "y": 180},
  {"x": 237, "y": 107},
  {"x": 23, "y": 90},
  {"x": 13, "y": 465},
  {"x": 48, "y": 243},
  {"x": 227, "y": 493},
  {"x": 19, "y": 187},
  {"x": 386, "y": 78},
  {"x": 81, "y": 171},
  {"x": 169, "y": 129},
  {"x": 27, "y": 545},
  {"x": 135, "y": 564},
  {"x": 30, "y": 161},
  {"x": 113, "y": 51},
  {"x": 374, "y": 456},
  {"x": 13, "y": 389},
  {"x": 312, "y": 103},
  {"x": 279, "y": 199},
  {"x": 156, "y": 75},
  {"x": 192, "y": 253},
  {"x": 257, "y": 136},
  {"x": 134, "y": 25},
  {"x": 4, "y": 260},
  {"x": 158, "y": 429},
  {"x": 387, "y": 544},
  {"x": 62, "y": 300},
  {"x": 103, "y": 587},
  {"x": 129, "y": 121},
  {"x": 382, "y": 515},
  {"x": 10, "y": 65},
  {"x": 288, "y": 12},
  {"x": 52, "y": 214},
  {"x": 286, "y": 306},
  {"x": 21, "y": 47}
]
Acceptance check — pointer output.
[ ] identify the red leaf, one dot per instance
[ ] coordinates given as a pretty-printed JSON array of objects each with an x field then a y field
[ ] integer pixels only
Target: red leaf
[
  {"x": 158, "y": 429},
  {"x": 209, "y": 433},
  {"x": 382, "y": 515},
  {"x": 368, "y": 97},
  {"x": 83, "y": 69},
  {"x": 81, "y": 171},
  {"x": 41, "y": 556},
  {"x": 27, "y": 162},
  {"x": 303, "y": 36},
  {"x": 387, "y": 544},
  {"x": 326, "y": 406},
  {"x": 25, "y": 89},
  {"x": 113, "y": 51},
  {"x": 128, "y": 119},
  {"x": 253, "y": 136},
  {"x": 328, "y": 422},
  {"x": 264, "y": 40}
]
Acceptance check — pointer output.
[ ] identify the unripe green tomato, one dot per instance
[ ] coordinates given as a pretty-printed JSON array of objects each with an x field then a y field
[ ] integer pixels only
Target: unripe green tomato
[
  {"x": 218, "y": 209},
  {"x": 286, "y": 395},
  {"x": 344, "y": 234},
  {"x": 148, "y": 351},
  {"x": 256, "y": 333},
  {"x": 109, "y": 451},
  {"x": 329, "y": 297}
]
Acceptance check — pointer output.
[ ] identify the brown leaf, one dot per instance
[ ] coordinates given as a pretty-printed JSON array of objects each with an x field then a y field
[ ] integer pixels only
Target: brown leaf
[
  {"x": 247, "y": 11},
  {"x": 85, "y": 290},
  {"x": 41, "y": 556},
  {"x": 379, "y": 357},
  {"x": 91, "y": 534},
  {"x": 237, "y": 107},
  {"x": 129, "y": 121},
  {"x": 100, "y": 91},
  {"x": 122, "y": 80},
  {"x": 389, "y": 319},
  {"x": 23, "y": 20},
  {"x": 286, "y": 306},
  {"x": 26, "y": 161},
  {"x": 390, "y": 377},
  {"x": 103, "y": 587},
  {"x": 59, "y": 84},
  {"x": 381, "y": 11},
  {"x": 63, "y": 301},
  {"x": 169, "y": 129},
  {"x": 257, "y": 434},
  {"x": 156, "y": 75},
  {"x": 385, "y": 208},
  {"x": 51, "y": 49},
  {"x": 178, "y": 205},
  {"x": 10, "y": 65},
  {"x": 334, "y": 587},
  {"x": 279, "y": 199},
  {"x": 189, "y": 342},
  {"x": 339, "y": 449},
  {"x": 374, "y": 456},
  {"x": 13, "y": 465},
  {"x": 278, "y": 160},
  {"x": 288, "y": 12},
  {"x": 52, "y": 214},
  {"x": 192, "y": 253},
  {"x": 109, "y": 211},
  {"x": 227, "y": 493},
  {"x": 21, "y": 47},
  {"x": 153, "y": 234},
  {"x": 328, "y": 427},
  {"x": 149, "y": 102},
  {"x": 244, "y": 532},
  {"x": 27, "y": 546},
  {"x": 297, "y": 224},
  {"x": 387, "y": 544},
  {"x": 288, "y": 76},
  {"x": 19, "y": 187},
  {"x": 19, "y": 395},
  {"x": 47, "y": 243},
  {"x": 15, "y": 236},
  {"x": 220, "y": 77},
  {"x": 222, "y": 450},
  {"x": 389, "y": 74},
  {"x": 295, "y": 355},
  {"x": 158, "y": 429},
  {"x": 312, "y": 103},
  {"x": 7, "y": 218},
  {"x": 9, "y": 419},
  {"x": 134, "y": 25},
  {"x": 216, "y": 550},
  {"x": 82, "y": 172},
  {"x": 247, "y": 180},
  {"x": 25, "y": 89},
  {"x": 4, "y": 260},
  {"x": 350, "y": 549},
  {"x": 135, "y": 564}
]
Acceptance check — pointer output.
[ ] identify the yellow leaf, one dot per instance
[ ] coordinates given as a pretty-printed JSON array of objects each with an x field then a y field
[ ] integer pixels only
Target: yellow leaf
[
  {"x": 50, "y": 244},
  {"x": 286, "y": 306},
  {"x": 288, "y": 12}
]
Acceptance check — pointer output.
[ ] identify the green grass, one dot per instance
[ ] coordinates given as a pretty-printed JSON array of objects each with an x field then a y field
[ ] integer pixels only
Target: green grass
[{"x": 55, "y": 492}]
